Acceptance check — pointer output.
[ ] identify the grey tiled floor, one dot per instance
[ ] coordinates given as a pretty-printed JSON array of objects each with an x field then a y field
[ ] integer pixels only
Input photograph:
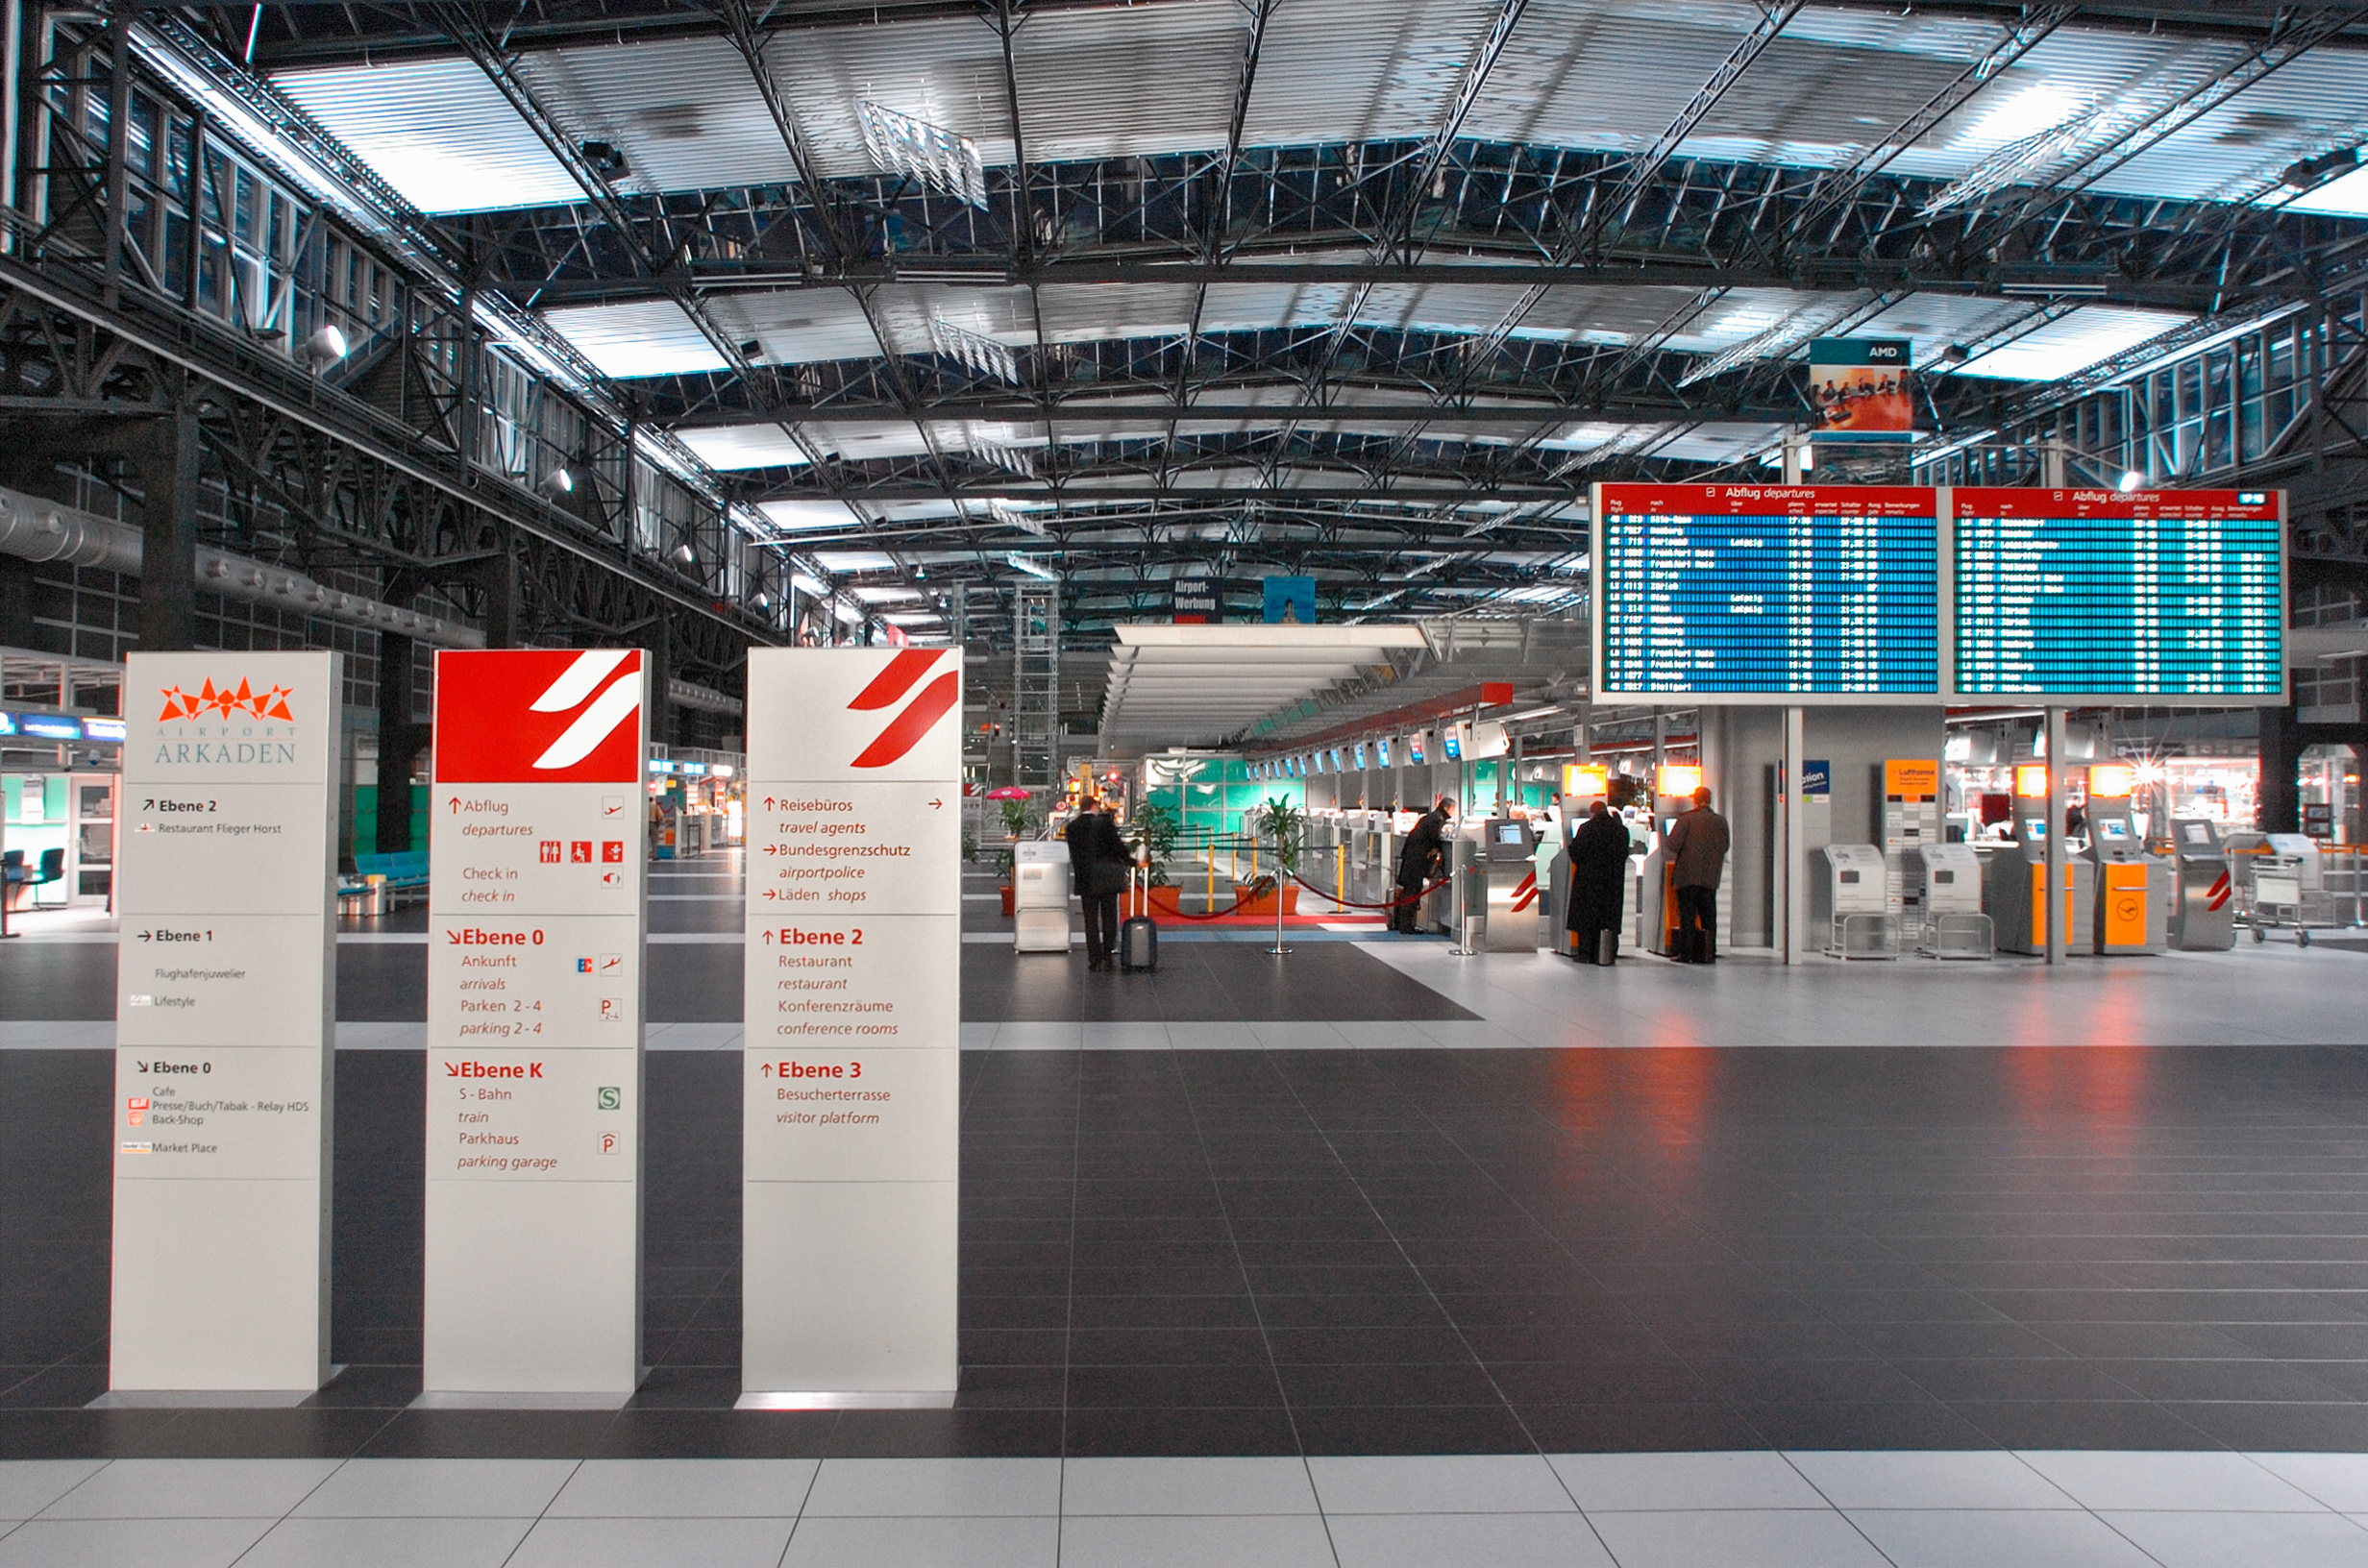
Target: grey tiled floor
[{"x": 1907, "y": 1510}]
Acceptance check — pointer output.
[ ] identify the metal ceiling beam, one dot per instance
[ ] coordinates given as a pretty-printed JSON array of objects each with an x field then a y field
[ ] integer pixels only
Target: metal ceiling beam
[
  {"x": 321, "y": 35},
  {"x": 1647, "y": 164},
  {"x": 1398, "y": 232},
  {"x": 2103, "y": 284},
  {"x": 1277, "y": 414}
]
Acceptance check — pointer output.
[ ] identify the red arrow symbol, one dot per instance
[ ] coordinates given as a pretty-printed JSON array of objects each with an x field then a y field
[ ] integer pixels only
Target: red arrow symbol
[
  {"x": 934, "y": 805},
  {"x": 455, "y": 802},
  {"x": 768, "y": 937},
  {"x": 766, "y": 1070},
  {"x": 768, "y": 803}
]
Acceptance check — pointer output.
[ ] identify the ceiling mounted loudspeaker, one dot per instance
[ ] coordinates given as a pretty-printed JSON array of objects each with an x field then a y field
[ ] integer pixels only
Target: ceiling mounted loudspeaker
[
  {"x": 604, "y": 159},
  {"x": 558, "y": 482},
  {"x": 1956, "y": 353},
  {"x": 325, "y": 348}
]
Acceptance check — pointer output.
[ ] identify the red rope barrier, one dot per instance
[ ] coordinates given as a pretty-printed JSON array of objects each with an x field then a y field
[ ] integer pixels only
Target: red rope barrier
[
  {"x": 1395, "y": 904},
  {"x": 1345, "y": 903}
]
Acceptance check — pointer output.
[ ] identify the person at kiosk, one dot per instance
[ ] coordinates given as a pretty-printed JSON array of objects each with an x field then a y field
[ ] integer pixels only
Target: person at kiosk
[
  {"x": 1696, "y": 851},
  {"x": 1598, "y": 882},
  {"x": 1420, "y": 861}
]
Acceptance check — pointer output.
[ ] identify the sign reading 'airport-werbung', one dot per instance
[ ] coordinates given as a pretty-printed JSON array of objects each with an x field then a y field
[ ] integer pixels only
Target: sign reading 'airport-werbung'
[
  {"x": 537, "y": 858},
  {"x": 854, "y": 1026},
  {"x": 226, "y": 992}
]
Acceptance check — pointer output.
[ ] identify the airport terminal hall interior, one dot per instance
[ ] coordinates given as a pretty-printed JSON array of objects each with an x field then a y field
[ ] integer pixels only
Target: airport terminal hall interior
[{"x": 1183, "y": 784}]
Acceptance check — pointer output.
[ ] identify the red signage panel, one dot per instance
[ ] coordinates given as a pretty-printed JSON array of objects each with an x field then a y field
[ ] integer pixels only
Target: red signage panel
[{"x": 538, "y": 715}]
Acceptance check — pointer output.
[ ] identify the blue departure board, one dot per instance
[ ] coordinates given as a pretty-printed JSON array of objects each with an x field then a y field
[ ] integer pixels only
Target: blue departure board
[
  {"x": 2102, "y": 594},
  {"x": 1768, "y": 591}
]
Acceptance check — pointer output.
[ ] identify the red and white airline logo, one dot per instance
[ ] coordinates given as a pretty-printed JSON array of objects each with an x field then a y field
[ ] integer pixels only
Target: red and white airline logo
[
  {"x": 530, "y": 716},
  {"x": 913, "y": 719},
  {"x": 859, "y": 714}
]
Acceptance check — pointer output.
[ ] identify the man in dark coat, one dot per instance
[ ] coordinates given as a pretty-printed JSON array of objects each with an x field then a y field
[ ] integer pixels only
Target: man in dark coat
[
  {"x": 1695, "y": 853},
  {"x": 1598, "y": 884},
  {"x": 1098, "y": 861},
  {"x": 1420, "y": 863}
]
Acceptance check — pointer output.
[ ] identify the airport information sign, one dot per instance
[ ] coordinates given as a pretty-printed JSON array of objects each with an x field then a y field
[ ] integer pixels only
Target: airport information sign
[
  {"x": 852, "y": 1057},
  {"x": 224, "y": 1033},
  {"x": 1768, "y": 592},
  {"x": 536, "y": 905},
  {"x": 2082, "y": 593}
]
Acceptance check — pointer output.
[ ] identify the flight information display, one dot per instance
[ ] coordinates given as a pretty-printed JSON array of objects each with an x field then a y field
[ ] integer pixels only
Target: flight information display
[
  {"x": 1773, "y": 592},
  {"x": 2102, "y": 593}
]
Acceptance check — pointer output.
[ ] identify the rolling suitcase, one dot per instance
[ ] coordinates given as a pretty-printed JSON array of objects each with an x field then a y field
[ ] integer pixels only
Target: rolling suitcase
[{"x": 1138, "y": 933}]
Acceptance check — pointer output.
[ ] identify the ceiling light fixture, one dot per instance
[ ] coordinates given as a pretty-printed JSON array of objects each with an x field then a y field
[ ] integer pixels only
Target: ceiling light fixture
[
  {"x": 1033, "y": 567},
  {"x": 928, "y": 153},
  {"x": 558, "y": 482},
  {"x": 974, "y": 349},
  {"x": 325, "y": 348}
]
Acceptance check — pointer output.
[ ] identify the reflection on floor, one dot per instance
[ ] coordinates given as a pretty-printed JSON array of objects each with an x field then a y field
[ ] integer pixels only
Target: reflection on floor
[
  {"x": 1406, "y": 1252},
  {"x": 2036, "y": 1509}
]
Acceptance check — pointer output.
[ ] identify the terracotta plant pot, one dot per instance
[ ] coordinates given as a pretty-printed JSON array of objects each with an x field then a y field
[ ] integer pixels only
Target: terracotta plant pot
[{"x": 1006, "y": 890}]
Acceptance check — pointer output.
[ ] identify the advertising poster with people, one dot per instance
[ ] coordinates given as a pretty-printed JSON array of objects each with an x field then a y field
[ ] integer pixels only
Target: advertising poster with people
[{"x": 1862, "y": 389}]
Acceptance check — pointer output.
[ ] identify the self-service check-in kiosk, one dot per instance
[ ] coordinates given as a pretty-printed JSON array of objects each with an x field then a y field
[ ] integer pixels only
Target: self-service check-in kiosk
[
  {"x": 1852, "y": 902},
  {"x": 2133, "y": 888},
  {"x": 1508, "y": 864},
  {"x": 2204, "y": 918},
  {"x": 1040, "y": 896},
  {"x": 1948, "y": 888},
  {"x": 1439, "y": 910},
  {"x": 2016, "y": 874}
]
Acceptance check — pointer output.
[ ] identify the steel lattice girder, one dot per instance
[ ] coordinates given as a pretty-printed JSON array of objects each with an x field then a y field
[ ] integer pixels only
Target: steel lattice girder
[{"x": 1700, "y": 223}]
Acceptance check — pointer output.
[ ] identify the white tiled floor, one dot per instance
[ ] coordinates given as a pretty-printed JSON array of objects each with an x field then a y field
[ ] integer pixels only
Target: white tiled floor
[
  {"x": 1630, "y": 1511},
  {"x": 2269, "y": 995}
]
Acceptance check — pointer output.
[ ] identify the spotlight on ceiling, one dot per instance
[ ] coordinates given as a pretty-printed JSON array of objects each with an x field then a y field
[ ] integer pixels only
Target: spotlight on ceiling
[
  {"x": 2131, "y": 481},
  {"x": 558, "y": 482},
  {"x": 2315, "y": 171},
  {"x": 685, "y": 556},
  {"x": 325, "y": 348}
]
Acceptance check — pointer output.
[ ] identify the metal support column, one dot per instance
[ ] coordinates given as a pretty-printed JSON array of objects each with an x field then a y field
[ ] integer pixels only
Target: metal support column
[
  {"x": 401, "y": 740},
  {"x": 1792, "y": 866},
  {"x": 2052, "y": 903},
  {"x": 168, "y": 522}
]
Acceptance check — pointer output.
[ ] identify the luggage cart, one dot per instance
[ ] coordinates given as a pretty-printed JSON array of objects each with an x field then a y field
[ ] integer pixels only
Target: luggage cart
[{"x": 2278, "y": 898}]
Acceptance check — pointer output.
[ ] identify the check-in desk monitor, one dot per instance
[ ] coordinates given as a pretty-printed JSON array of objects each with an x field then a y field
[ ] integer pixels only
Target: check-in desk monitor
[
  {"x": 1850, "y": 905},
  {"x": 1509, "y": 861},
  {"x": 1040, "y": 896},
  {"x": 2204, "y": 915}
]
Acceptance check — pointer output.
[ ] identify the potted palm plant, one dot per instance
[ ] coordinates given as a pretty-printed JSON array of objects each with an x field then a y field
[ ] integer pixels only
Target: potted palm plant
[{"x": 1279, "y": 822}]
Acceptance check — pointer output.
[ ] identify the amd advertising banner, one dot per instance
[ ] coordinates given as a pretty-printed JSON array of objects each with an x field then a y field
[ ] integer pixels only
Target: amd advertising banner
[
  {"x": 225, "y": 1010},
  {"x": 538, "y": 864},
  {"x": 853, "y": 1052}
]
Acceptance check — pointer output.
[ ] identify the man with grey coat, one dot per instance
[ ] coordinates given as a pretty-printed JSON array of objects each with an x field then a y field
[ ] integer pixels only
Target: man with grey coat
[{"x": 1695, "y": 853}]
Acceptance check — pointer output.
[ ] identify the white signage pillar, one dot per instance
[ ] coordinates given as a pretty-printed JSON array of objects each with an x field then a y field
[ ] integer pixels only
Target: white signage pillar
[
  {"x": 538, "y": 871},
  {"x": 224, "y": 1019},
  {"x": 852, "y": 1056}
]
